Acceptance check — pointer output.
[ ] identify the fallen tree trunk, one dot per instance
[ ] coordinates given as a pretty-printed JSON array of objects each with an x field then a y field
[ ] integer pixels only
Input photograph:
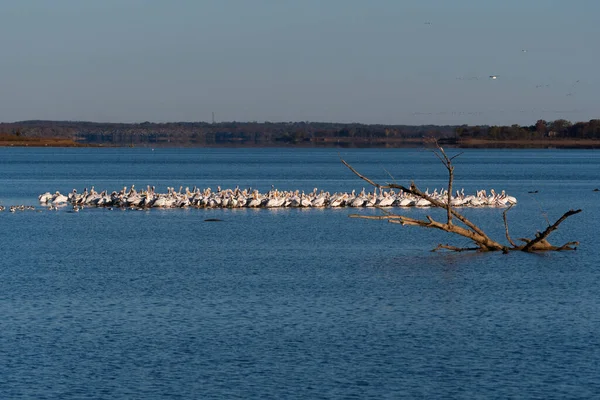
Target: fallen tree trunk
[{"x": 465, "y": 228}]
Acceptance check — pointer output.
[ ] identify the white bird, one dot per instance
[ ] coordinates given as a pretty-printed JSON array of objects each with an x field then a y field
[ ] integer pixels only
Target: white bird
[
  {"x": 407, "y": 202},
  {"x": 493, "y": 77},
  {"x": 320, "y": 200},
  {"x": 387, "y": 200},
  {"x": 255, "y": 201},
  {"x": 358, "y": 201},
  {"x": 59, "y": 198},
  {"x": 305, "y": 201},
  {"x": 423, "y": 203},
  {"x": 371, "y": 200},
  {"x": 338, "y": 200},
  {"x": 45, "y": 198}
]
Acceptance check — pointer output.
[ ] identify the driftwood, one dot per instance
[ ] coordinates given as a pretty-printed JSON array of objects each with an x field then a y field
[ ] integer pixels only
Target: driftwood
[{"x": 465, "y": 228}]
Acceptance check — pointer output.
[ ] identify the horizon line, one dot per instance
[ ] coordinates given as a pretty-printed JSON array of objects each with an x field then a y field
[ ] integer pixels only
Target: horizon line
[{"x": 277, "y": 122}]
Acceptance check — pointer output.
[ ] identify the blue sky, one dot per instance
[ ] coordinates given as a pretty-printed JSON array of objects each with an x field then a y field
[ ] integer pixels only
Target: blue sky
[{"x": 377, "y": 61}]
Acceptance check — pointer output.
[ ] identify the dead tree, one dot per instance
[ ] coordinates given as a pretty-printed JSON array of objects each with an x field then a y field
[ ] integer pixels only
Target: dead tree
[{"x": 458, "y": 224}]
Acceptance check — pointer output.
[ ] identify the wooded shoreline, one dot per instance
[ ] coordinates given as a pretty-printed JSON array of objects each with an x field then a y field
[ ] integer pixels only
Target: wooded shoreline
[
  {"x": 543, "y": 134},
  {"x": 407, "y": 143}
]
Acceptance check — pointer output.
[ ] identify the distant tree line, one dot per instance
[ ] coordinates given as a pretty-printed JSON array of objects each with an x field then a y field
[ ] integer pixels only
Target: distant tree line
[
  {"x": 295, "y": 133},
  {"x": 243, "y": 133},
  {"x": 559, "y": 128}
]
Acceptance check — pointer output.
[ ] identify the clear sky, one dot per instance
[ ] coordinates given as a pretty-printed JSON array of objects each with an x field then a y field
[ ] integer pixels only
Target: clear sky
[{"x": 376, "y": 61}]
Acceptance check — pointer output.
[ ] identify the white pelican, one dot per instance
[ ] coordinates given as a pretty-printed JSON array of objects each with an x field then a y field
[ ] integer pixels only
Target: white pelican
[
  {"x": 255, "y": 201},
  {"x": 305, "y": 201},
  {"x": 386, "y": 201},
  {"x": 59, "y": 198},
  {"x": 320, "y": 200},
  {"x": 160, "y": 202},
  {"x": 475, "y": 201},
  {"x": 509, "y": 199},
  {"x": 358, "y": 201},
  {"x": 240, "y": 200},
  {"x": 45, "y": 197},
  {"x": 371, "y": 200},
  {"x": 293, "y": 201},
  {"x": 406, "y": 202},
  {"x": 423, "y": 203},
  {"x": 337, "y": 200}
]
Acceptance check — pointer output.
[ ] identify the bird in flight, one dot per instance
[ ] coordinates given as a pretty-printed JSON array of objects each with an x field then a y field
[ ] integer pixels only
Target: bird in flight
[{"x": 493, "y": 77}]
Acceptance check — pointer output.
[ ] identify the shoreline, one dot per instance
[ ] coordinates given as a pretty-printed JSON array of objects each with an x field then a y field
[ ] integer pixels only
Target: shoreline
[
  {"x": 366, "y": 143},
  {"x": 40, "y": 142},
  {"x": 536, "y": 143}
]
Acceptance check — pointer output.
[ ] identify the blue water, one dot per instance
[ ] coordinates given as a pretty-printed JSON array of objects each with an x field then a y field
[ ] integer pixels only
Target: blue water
[{"x": 294, "y": 303}]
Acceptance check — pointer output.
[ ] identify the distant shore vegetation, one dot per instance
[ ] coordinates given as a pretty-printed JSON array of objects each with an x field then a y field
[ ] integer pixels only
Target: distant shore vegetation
[{"x": 559, "y": 133}]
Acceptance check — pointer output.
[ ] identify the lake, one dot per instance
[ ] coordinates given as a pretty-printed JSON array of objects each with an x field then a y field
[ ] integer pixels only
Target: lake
[{"x": 294, "y": 303}]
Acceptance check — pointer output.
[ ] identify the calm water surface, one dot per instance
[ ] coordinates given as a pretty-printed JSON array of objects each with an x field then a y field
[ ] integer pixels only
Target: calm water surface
[{"x": 293, "y": 303}]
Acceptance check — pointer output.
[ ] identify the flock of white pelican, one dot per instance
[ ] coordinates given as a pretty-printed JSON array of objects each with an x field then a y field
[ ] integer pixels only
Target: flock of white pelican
[{"x": 274, "y": 198}]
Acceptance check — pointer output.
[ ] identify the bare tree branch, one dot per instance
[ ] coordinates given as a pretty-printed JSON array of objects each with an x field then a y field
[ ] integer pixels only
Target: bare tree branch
[
  {"x": 567, "y": 246},
  {"x": 506, "y": 226},
  {"x": 541, "y": 238},
  {"x": 475, "y": 233},
  {"x": 415, "y": 191},
  {"x": 456, "y": 155},
  {"x": 448, "y": 164},
  {"x": 377, "y": 185},
  {"x": 470, "y": 231}
]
